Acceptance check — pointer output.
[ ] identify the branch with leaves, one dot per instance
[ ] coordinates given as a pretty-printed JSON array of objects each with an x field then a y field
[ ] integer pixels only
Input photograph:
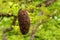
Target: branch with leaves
[
  {"x": 9, "y": 29},
  {"x": 2, "y": 15},
  {"x": 47, "y": 3}
]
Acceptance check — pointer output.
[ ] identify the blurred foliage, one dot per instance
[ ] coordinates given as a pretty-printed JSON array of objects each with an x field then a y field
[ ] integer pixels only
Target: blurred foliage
[{"x": 47, "y": 31}]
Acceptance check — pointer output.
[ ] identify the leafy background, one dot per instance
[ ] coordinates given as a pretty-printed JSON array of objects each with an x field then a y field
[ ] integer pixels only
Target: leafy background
[{"x": 49, "y": 30}]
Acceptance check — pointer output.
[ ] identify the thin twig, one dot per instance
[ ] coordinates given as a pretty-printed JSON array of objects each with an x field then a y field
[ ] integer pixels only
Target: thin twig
[
  {"x": 4, "y": 33},
  {"x": 14, "y": 21},
  {"x": 46, "y": 2},
  {"x": 35, "y": 29},
  {"x": 8, "y": 29},
  {"x": 6, "y": 15},
  {"x": 4, "y": 36}
]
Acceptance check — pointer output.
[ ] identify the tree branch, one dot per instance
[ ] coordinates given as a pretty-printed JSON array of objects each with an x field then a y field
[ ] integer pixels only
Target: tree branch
[
  {"x": 46, "y": 2},
  {"x": 35, "y": 28},
  {"x": 9, "y": 29},
  {"x": 6, "y": 15}
]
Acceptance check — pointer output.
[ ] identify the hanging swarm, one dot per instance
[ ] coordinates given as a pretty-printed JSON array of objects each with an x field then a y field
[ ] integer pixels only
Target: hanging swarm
[{"x": 23, "y": 21}]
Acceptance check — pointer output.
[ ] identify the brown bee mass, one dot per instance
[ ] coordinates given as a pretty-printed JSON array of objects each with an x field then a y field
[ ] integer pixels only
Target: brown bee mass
[{"x": 23, "y": 21}]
